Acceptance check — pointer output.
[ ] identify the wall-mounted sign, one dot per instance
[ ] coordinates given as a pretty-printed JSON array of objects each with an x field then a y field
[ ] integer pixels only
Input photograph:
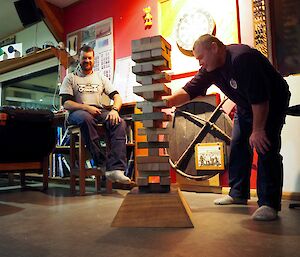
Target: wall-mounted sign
[{"x": 11, "y": 51}]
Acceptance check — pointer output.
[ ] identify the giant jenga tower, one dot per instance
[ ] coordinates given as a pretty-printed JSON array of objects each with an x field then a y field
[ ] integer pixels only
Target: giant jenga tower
[
  {"x": 154, "y": 203},
  {"x": 152, "y": 56}
]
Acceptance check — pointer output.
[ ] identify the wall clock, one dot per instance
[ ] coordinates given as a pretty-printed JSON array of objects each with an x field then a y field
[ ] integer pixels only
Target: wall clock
[{"x": 190, "y": 25}]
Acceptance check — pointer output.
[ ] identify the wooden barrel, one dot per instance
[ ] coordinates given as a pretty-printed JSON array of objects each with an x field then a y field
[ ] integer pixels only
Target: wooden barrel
[{"x": 184, "y": 128}]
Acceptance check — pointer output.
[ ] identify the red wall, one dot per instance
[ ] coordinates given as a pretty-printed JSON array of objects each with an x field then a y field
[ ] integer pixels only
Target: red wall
[{"x": 128, "y": 22}]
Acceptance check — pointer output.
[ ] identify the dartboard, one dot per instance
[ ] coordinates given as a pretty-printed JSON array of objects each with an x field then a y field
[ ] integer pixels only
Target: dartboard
[{"x": 192, "y": 24}]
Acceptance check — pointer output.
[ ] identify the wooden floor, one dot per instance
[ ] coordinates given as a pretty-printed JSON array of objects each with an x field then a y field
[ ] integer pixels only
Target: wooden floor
[{"x": 36, "y": 224}]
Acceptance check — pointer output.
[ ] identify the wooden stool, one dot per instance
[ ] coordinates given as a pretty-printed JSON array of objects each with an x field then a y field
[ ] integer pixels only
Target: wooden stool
[{"x": 82, "y": 172}]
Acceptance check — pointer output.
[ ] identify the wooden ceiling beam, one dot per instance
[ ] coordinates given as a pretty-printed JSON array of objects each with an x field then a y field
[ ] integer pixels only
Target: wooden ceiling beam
[{"x": 53, "y": 17}]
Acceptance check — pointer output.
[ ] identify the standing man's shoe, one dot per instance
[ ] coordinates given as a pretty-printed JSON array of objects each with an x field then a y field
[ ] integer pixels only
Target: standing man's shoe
[
  {"x": 226, "y": 200},
  {"x": 265, "y": 213}
]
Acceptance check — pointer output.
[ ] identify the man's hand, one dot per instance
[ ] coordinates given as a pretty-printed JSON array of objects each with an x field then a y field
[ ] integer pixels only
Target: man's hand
[
  {"x": 92, "y": 110},
  {"x": 260, "y": 141},
  {"x": 113, "y": 117},
  {"x": 258, "y": 138},
  {"x": 178, "y": 98}
]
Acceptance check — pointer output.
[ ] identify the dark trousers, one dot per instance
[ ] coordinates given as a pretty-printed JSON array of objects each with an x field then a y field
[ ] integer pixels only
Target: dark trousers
[
  {"x": 269, "y": 167},
  {"x": 116, "y": 138}
]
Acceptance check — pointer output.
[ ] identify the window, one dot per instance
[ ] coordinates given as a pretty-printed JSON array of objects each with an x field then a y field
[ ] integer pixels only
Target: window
[{"x": 36, "y": 90}]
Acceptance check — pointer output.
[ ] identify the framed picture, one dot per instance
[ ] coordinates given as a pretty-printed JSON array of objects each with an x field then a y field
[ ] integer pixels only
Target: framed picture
[{"x": 209, "y": 156}]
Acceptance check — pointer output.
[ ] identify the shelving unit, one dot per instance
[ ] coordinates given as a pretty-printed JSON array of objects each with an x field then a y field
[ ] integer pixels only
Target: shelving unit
[
  {"x": 126, "y": 113},
  {"x": 17, "y": 63}
]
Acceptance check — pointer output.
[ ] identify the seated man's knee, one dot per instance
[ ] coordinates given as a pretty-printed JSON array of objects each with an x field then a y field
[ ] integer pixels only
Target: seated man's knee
[
  {"x": 81, "y": 117},
  {"x": 121, "y": 126}
]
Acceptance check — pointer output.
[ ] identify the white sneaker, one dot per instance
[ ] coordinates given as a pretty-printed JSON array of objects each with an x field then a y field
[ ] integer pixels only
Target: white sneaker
[
  {"x": 265, "y": 213},
  {"x": 226, "y": 200},
  {"x": 117, "y": 176}
]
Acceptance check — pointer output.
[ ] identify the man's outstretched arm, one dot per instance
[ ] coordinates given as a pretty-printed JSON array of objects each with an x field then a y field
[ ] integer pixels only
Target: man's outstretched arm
[{"x": 178, "y": 98}]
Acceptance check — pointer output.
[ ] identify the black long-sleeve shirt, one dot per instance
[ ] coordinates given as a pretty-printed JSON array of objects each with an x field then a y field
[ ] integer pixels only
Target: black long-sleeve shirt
[{"x": 247, "y": 78}]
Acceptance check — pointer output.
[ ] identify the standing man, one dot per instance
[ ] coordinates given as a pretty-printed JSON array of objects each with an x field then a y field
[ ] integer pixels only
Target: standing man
[
  {"x": 81, "y": 93},
  {"x": 262, "y": 97}
]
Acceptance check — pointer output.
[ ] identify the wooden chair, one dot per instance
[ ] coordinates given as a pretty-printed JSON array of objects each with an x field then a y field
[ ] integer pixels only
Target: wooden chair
[{"x": 81, "y": 171}]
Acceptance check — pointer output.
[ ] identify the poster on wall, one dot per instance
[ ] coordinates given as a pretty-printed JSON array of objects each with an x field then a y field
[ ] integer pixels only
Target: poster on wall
[
  {"x": 183, "y": 21},
  {"x": 100, "y": 37},
  {"x": 125, "y": 80}
]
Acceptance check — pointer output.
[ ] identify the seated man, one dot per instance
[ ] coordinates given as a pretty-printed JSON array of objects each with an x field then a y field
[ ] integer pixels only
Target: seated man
[{"x": 81, "y": 93}]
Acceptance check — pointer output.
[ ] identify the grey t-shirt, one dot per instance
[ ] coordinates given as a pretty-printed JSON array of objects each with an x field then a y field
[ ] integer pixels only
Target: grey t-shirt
[{"x": 87, "y": 89}]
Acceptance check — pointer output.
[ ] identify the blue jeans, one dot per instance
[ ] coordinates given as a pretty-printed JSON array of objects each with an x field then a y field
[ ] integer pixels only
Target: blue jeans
[
  {"x": 269, "y": 167},
  {"x": 116, "y": 138}
]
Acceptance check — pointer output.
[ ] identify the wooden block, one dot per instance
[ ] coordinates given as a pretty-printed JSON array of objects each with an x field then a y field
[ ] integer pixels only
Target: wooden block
[
  {"x": 152, "y": 123},
  {"x": 146, "y": 68},
  {"x": 157, "y": 138},
  {"x": 165, "y": 181},
  {"x": 151, "y": 116},
  {"x": 154, "y": 138},
  {"x": 148, "y": 108},
  {"x": 158, "y": 169},
  {"x": 153, "y": 167},
  {"x": 151, "y": 96},
  {"x": 158, "y": 87},
  {"x": 151, "y": 159},
  {"x": 156, "y": 104},
  {"x": 160, "y": 50},
  {"x": 149, "y": 124},
  {"x": 162, "y": 77},
  {"x": 144, "y": 80},
  {"x": 145, "y": 170},
  {"x": 153, "y": 152},
  {"x": 135, "y": 44},
  {"x": 146, "y": 56},
  {"x": 160, "y": 42},
  {"x": 137, "y": 69},
  {"x": 147, "y": 179},
  {"x": 162, "y": 65},
  {"x": 154, "y": 210},
  {"x": 141, "y": 56},
  {"x": 141, "y": 145},
  {"x": 159, "y": 54},
  {"x": 139, "y": 45},
  {"x": 148, "y": 43},
  {"x": 154, "y": 96},
  {"x": 152, "y": 131},
  {"x": 142, "y": 181},
  {"x": 157, "y": 63},
  {"x": 159, "y": 179},
  {"x": 155, "y": 78},
  {"x": 162, "y": 179}
]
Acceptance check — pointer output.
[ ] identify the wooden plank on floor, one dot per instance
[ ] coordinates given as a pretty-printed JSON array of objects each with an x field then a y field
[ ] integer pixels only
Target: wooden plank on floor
[{"x": 153, "y": 210}]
